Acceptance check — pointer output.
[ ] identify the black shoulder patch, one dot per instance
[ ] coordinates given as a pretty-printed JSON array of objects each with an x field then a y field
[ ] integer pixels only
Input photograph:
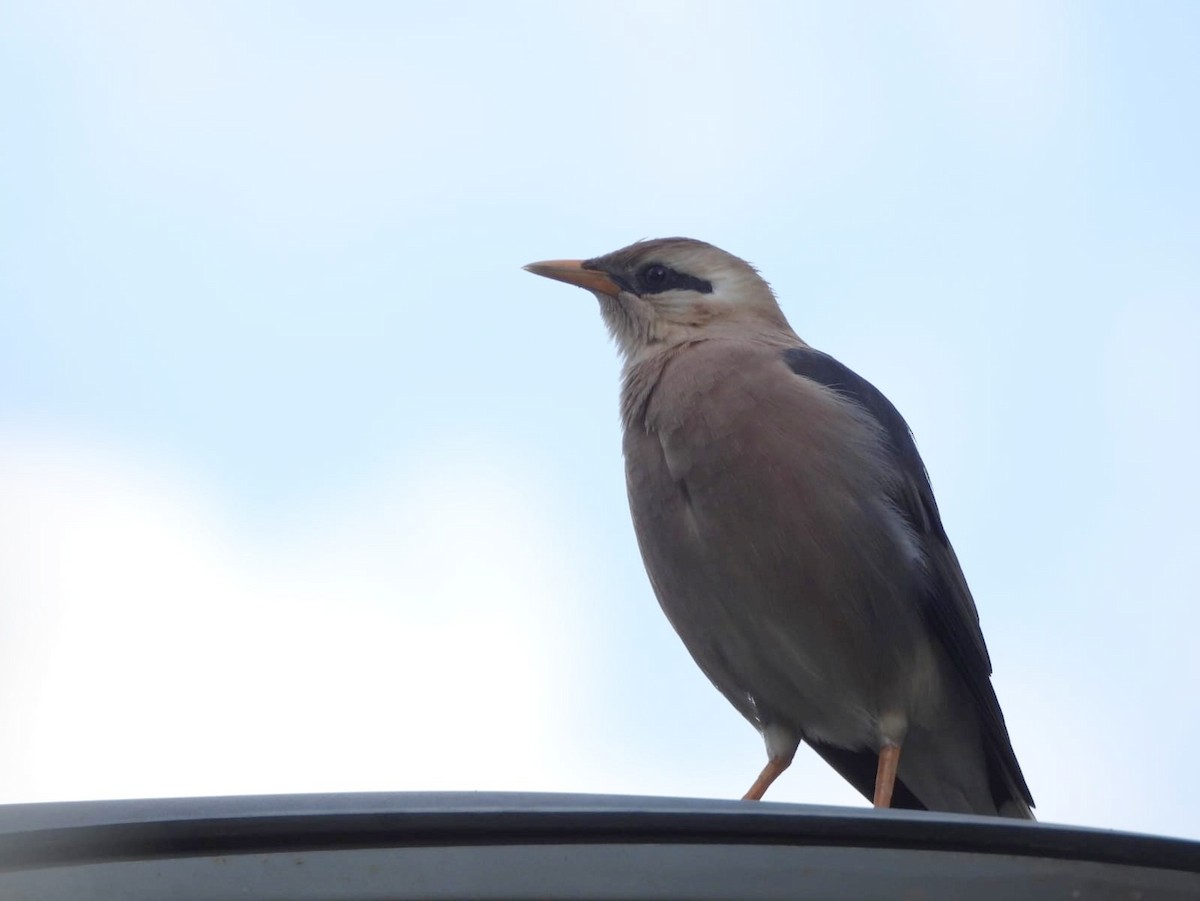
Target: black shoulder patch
[{"x": 825, "y": 370}]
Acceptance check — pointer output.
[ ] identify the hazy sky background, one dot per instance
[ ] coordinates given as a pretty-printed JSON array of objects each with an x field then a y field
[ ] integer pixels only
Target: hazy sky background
[{"x": 306, "y": 486}]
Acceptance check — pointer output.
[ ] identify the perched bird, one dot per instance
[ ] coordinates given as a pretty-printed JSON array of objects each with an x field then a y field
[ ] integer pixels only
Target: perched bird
[{"x": 791, "y": 536}]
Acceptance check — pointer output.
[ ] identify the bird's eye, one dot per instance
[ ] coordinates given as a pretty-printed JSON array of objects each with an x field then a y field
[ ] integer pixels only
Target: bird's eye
[{"x": 654, "y": 276}]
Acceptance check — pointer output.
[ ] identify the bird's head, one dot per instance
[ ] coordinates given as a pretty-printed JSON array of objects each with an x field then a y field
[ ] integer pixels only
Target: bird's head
[{"x": 670, "y": 291}]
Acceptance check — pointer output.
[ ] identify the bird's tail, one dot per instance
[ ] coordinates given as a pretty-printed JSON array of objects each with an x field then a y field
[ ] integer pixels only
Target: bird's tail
[{"x": 1017, "y": 809}]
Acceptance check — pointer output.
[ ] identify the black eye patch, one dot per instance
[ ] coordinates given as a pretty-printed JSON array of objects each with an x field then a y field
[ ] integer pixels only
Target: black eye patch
[{"x": 655, "y": 278}]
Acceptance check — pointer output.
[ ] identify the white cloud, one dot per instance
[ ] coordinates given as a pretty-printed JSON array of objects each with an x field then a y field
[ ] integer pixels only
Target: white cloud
[{"x": 150, "y": 649}]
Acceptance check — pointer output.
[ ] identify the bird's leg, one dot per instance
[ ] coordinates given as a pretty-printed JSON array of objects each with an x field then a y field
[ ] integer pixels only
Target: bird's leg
[
  {"x": 775, "y": 766},
  {"x": 885, "y": 777}
]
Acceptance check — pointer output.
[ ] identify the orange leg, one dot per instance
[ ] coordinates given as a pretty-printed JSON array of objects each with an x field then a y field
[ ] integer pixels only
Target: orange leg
[
  {"x": 769, "y": 774},
  {"x": 885, "y": 777}
]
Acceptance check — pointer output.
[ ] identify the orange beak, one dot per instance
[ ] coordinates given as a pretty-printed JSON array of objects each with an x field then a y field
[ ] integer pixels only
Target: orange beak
[{"x": 573, "y": 273}]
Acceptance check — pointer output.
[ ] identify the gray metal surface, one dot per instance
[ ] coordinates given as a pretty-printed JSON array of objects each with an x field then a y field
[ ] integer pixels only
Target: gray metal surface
[{"x": 400, "y": 846}]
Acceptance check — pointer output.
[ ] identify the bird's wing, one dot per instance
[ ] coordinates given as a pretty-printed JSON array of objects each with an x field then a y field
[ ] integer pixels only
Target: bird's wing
[{"x": 947, "y": 604}]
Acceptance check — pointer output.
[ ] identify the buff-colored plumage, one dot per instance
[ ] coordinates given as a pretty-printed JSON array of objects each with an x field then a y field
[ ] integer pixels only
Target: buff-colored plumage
[{"x": 791, "y": 537}]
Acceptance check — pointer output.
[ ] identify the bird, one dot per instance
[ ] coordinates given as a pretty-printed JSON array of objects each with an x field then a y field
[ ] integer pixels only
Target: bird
[{"x": 790, "y": 533}]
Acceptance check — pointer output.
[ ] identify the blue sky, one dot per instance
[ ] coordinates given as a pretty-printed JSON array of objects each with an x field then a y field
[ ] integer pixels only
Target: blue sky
[{"x": 309, "y": 487}]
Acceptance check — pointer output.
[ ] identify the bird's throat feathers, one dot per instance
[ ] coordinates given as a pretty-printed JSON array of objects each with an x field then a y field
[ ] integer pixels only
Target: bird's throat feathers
[{"x": 643, "y": 329}]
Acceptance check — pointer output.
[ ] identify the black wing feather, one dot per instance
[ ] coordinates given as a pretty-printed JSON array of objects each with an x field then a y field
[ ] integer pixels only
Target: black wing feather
[
  {"x": 859, "y": 767},
  {"x": 947, "y": 605}
]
